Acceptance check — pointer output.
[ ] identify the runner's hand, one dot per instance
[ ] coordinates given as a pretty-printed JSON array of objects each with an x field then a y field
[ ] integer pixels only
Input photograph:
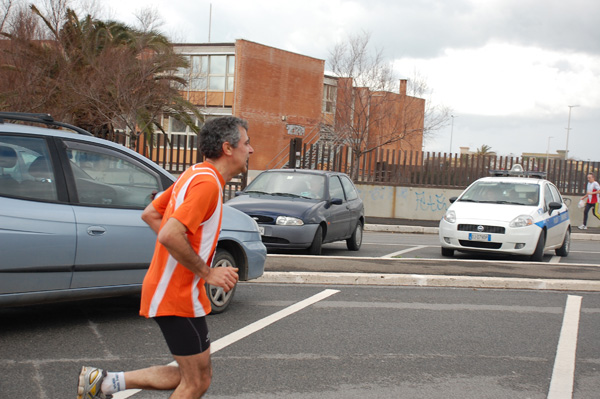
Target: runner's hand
[{"x": 224, "y": 277}]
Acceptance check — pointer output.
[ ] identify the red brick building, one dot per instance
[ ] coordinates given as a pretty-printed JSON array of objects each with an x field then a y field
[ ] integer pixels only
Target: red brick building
[{"x": 283, "y": 95}]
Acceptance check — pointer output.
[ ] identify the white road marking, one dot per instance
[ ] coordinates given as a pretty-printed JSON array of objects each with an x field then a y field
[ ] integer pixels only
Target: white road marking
[
  {"x": 416, "y": 248},
  {"x": 249, "y": 329},
  {"x": 555, "y": 259},
  {"x": 260, "y": 324},
  {"x": 563, "y": 374}
]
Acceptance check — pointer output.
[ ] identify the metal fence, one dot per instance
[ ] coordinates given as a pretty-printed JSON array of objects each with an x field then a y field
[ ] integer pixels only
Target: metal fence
[
  {"x": 418, "y": 168},
  {"x": 380, "y": 167}
]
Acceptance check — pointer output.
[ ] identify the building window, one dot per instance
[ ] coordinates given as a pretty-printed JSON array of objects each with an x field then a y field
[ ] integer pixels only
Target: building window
[
  {"x": 209, "y": 72},
  {"x": 220, "y": 72},
  {"x": 329, "y": 93},
  {"x": 198, "y": 73},
  {"x": 180, "y": 135}
]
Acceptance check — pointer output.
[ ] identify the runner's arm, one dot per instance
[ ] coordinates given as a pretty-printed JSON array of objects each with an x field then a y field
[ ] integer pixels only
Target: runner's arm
[
  {"x": 173, "y": 236},
  {"x": 152, "y": 217}
]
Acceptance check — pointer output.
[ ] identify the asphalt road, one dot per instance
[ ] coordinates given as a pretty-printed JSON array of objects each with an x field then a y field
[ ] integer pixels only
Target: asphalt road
[
  {"x": 345, "y": 342},
  {"x": 356, "y": 340}
]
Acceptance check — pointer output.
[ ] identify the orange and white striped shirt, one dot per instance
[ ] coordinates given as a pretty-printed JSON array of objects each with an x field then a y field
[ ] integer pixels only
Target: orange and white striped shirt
[{"x": 195, "y": 199}]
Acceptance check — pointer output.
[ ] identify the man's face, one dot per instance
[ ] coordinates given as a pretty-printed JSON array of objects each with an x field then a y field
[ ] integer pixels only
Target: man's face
[
  {"x": 590, "y": 178},
  {"x": 241, "y": 153}
]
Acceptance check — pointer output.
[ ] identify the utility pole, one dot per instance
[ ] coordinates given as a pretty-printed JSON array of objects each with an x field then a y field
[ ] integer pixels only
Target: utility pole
[
  {"x": 547, "y": 155},
  {"x": 209, "y": 21},
  {"x": 451, "y": 133},
  {"x": 568, "y": 130}
]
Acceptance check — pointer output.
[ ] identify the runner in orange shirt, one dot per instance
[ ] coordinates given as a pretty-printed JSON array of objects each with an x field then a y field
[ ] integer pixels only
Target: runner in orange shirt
[{"x": 187, "y": 220}]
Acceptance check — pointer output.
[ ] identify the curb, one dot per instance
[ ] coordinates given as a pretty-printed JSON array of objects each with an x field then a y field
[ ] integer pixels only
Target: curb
[
  {"x": 417, "y": 280},
  {"x": 392, "y": 228}
]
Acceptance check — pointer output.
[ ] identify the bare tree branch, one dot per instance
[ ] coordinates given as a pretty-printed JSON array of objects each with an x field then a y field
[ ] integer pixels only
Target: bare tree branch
[{"x": 372, "y": 107}]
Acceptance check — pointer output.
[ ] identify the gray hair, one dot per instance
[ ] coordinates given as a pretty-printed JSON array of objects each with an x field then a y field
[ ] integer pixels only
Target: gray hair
[{"x": 217, "y": 132}]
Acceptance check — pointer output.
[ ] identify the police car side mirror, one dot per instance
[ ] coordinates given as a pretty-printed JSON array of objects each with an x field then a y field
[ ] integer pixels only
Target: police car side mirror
[
  {"x": 554, "y": 206},
  {"x": 452, "y": 199}
]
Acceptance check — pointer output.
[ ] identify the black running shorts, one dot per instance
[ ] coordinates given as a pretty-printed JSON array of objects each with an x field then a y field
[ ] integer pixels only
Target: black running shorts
[{"x": 185, "y": 336}]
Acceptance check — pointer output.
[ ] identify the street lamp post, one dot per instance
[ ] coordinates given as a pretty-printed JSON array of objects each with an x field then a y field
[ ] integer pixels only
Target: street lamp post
[
  {"x": 568, "y": 130},
  {"x": 451, "y": 133},
  {"x": 548, "y": 154}
]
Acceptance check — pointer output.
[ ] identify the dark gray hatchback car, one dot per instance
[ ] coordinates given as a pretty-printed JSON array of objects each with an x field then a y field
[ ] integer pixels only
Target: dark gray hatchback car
[{"x": 303, "y": 209}]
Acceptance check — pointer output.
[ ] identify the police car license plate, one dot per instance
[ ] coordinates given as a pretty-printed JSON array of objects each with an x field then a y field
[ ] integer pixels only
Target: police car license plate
[{"x": 480, "y": 237}]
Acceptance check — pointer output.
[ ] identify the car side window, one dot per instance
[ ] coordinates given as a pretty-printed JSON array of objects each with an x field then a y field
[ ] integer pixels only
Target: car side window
[
  {"x": 349, "y": 189},
  {"x": 106, "y": 177},
  {"x": 555, "y": 194},
  {"x": 25, "y": 168},
  {"x": 547, "y": 196},
  {"x": 335, "y": 188}
]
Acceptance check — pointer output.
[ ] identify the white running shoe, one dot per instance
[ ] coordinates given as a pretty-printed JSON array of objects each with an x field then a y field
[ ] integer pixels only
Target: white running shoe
[
  {"x": 582, "y": 227},
  {"x": 90, "y": 381}
]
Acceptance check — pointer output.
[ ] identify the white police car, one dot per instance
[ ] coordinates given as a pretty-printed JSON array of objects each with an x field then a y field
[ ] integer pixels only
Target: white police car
[{"x": 511, "y": 215}]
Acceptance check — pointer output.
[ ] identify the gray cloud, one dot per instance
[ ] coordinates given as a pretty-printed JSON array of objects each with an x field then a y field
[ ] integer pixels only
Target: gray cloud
[{"x": 424, "y": 29}]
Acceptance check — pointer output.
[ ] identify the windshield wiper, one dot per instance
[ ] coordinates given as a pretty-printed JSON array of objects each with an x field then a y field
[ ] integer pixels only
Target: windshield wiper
[
  {"x": 256, "y": 192},
  {"x": 287, "y": 195}
]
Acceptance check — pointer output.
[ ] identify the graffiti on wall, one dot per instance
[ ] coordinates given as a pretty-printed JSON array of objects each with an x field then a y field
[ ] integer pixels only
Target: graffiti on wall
[
  {"x": 429, "y": 202},
  {"x": 377, "y": 194}
]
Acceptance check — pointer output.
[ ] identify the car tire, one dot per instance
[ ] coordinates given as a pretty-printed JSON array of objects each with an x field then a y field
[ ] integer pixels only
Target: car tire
[
  {"x": 219, "y": 299},
  {"x": 566, "y": 245},
  {"x": 538, "y": 254},
  {"x": 315, "y": 247},
  {"x": 355, "y": 241},
  {"x": 448, "y": 252}
]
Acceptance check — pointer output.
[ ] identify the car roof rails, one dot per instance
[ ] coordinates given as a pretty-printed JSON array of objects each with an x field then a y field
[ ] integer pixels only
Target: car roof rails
[
  {"x": 44, "y": 119},
  {"x": 517, "y": 170}
]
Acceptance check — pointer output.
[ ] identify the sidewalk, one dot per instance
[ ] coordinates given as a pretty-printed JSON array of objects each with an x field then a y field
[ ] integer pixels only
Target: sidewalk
[
  {"x": 290, "y": 269},
  {"x": 411, "y": 226}
]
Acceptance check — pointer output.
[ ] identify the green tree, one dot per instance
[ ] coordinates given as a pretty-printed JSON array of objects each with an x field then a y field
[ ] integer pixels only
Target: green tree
[
  {"x": 96, "y": 74},
  {"x": 485, "y": 150}
]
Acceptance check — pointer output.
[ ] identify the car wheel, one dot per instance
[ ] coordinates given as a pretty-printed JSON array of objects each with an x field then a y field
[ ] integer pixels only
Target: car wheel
[
  {"x": 538, "y": 254},
  {"x": 449, "y": 252},
  {"x": 566, "y": 245},
  {"x": 315, "y": 247},
  {"x": 219, "y": 299},
  {"x": 355, "y": 241}
]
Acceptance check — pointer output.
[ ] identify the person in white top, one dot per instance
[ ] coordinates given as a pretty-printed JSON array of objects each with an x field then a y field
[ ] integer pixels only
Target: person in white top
[{"x": 592, "y": 200}]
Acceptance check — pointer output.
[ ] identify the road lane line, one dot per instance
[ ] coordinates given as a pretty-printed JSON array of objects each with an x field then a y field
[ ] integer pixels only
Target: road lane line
[
  {"x": 260, "y": 324},
  {"x": 248, "y": 330},
  {"x": 563, "y": 374},
  {"x": 405, "y": 251},
  {"x": 555, "y": 259}
]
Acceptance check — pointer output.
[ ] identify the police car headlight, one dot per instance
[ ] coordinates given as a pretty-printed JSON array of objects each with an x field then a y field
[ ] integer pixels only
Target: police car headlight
[
  {"x": 450, "y": 217},
  {"x": 288, "y": 221},
  {"x": 521, "y": 221}
]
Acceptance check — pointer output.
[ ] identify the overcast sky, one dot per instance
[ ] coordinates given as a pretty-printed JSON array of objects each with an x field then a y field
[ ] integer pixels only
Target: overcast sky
[{"x": 509, "y": 69}]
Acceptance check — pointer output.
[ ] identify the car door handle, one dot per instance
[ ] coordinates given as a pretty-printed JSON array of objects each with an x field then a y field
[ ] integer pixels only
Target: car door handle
[{"x": 96, "y": 230}]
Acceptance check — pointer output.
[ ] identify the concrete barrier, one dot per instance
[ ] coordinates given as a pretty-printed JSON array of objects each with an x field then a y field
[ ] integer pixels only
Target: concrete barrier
[{"x": 422, "y": 203}]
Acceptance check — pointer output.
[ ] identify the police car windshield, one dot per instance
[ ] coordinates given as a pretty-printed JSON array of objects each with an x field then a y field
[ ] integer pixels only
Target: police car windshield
[{"x": 502, "y": 193}]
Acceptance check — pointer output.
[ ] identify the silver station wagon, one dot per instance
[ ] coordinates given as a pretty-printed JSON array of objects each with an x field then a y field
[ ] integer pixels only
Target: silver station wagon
[{"x": 70, "y": 226}]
